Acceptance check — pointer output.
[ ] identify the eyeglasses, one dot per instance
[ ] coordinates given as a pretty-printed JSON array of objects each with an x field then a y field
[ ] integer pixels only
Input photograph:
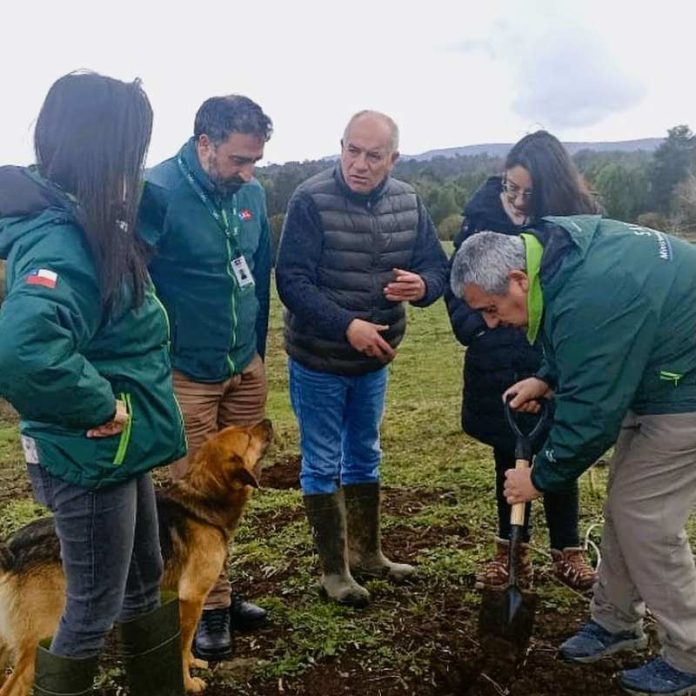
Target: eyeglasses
[{"x": 512, "y": 190}]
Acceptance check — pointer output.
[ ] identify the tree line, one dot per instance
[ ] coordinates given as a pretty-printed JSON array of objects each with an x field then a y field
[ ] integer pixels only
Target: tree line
[{"x": 656, "y": 189}]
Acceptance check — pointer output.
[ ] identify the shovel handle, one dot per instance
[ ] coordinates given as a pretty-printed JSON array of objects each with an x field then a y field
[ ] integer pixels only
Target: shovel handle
[
  {"x": 517, "y": 511},
  {"x": 524, "y": 441}
]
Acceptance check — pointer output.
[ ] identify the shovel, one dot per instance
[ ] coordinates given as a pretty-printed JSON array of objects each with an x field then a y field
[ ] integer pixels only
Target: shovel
[{"x": 509, "y": 615}]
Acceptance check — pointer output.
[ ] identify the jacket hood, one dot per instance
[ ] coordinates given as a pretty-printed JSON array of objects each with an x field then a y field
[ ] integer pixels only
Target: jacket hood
[
  {"x": 485, "y": 209},
  {"x": 24, "y": 196}
]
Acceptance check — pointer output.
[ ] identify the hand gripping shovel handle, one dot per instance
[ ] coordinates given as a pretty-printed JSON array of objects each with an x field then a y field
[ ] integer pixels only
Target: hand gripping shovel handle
[{"x": 523, "y": 456}]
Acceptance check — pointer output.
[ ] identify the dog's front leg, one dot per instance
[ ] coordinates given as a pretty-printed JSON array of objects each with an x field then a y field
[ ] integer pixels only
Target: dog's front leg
[
  {"x": 19, "y": 683},
  {"x": 189, "y": 612}
]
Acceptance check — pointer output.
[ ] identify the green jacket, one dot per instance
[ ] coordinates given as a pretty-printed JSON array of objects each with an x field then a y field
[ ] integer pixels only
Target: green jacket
[
  {"x": 217, "y": 326},
  {"x": 618, "y": 327},
  {"x": 63, "y": 362}
]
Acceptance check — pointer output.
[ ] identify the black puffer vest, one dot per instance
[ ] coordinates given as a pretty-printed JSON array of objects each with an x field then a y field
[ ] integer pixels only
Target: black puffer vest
[{"x": 365, "y": 237}]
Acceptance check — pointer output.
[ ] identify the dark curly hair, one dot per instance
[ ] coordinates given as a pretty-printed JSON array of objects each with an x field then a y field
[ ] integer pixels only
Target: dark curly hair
[{"x": 218, "y": 117}]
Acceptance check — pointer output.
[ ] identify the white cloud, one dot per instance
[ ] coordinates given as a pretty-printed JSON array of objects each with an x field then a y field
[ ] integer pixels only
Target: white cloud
[{"x": 570, "y": 80}]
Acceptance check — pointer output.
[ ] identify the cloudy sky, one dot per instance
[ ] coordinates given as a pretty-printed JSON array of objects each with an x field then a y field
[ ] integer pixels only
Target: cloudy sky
[{"x": 449, "y": 72}]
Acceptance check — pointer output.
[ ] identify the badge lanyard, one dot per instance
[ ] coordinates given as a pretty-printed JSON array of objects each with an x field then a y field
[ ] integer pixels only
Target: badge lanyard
[
  {"x": 238, "y": 263},
  {"x": 219, "y": 215}
]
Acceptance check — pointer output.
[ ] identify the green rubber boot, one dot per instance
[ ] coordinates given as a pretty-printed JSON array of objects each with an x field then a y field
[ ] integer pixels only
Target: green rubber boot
[
  {"x": 151, "y": 647},
  {"x": 327, "y": 522},
  {"x": 364, "y": 537},
  {"x": 62, "y": 676}
]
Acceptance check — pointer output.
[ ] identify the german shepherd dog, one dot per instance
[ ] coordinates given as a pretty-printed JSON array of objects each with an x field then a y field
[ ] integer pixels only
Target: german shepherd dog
[{"x": 197, "y": 517}]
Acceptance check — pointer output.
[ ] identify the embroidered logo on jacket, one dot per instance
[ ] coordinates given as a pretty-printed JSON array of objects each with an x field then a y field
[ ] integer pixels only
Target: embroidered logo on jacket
[
  {"x": 245, "y": 214},
  {"x": 44, "y": 277}
]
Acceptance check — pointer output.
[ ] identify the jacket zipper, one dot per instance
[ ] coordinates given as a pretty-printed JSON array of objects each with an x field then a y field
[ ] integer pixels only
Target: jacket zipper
[{"x": 124, "y": 440}]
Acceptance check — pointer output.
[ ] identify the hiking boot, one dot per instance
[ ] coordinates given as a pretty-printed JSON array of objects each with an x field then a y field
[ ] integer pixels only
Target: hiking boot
[
  {"x": 593, "y": 642},
  {"x": 62, "y": 676},
  {"x": 328, "y": 525},
  {"x": 362, "y": 502},
  {"x": 494, "y": 574},
  {"x": 245, "y": 616},
  {"x": 572, "y": 568},
  {"x": 213, "y": 641},
  {"x": 657, "y": 677}
]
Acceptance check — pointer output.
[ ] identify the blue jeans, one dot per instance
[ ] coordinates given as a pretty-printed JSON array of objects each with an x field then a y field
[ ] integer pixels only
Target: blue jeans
[
  {"x": 339, "y": 419},
  {"x": 109, "y": 543}
]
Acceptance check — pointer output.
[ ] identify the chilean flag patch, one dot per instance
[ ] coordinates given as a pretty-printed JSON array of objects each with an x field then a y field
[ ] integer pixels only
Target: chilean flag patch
[
  {"x": 245, "y": 214},
  {"x": 44, "y": 277}
]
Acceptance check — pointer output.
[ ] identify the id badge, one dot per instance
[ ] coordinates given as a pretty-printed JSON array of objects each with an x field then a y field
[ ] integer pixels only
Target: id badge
[
  {"x": 31, "y": 454},
  {"x": 241, "y": 271}
]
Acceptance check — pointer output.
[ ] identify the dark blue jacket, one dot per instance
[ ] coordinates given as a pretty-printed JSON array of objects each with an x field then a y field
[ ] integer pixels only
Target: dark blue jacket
[{"x": 495, "y": 358}]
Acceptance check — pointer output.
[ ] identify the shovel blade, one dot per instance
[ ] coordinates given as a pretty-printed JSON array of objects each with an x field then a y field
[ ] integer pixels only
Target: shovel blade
[{"x": 508, "y": 615}]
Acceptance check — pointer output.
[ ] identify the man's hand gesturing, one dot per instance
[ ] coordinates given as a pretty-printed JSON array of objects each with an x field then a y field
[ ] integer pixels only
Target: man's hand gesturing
[{"x": 365, "y": 337}]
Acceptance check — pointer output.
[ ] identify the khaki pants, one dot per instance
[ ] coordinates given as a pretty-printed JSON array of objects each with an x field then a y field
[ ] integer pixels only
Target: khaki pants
[
  {"x": 207, "y": 408},
  {"x": 646, "y": 559}
]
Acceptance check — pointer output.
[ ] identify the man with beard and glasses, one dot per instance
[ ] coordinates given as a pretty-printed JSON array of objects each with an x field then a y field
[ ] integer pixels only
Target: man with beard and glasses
[{"x": 204, "y": 216}]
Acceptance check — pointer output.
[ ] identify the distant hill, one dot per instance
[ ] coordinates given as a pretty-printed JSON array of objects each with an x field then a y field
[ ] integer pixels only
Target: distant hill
[{"x": 501, "y": 149}]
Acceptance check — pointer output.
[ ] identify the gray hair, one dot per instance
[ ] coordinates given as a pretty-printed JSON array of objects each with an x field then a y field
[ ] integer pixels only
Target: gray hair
[
  {"x": 393, "y": 128},
  {"x": 485, "y": 259}
]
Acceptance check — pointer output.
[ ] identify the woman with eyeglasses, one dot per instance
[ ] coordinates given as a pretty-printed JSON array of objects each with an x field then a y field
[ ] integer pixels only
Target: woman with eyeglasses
[{"x": 539, "y": 179}]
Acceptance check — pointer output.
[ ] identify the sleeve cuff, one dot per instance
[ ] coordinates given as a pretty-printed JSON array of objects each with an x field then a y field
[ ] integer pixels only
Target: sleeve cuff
[{"x": 535, "y": 480}]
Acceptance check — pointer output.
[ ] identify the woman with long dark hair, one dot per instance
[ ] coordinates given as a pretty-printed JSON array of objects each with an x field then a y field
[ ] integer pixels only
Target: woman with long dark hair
[
  {"x": 84, "y": 360},
  {"x": 539, "y": 179}
]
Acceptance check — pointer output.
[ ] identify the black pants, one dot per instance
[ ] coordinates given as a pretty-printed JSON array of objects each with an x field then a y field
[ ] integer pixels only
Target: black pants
[{"x": 561, "y": 508}]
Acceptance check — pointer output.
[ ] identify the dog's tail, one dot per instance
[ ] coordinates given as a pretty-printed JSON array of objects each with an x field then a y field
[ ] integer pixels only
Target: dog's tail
[{"x": 7, "y": 559}]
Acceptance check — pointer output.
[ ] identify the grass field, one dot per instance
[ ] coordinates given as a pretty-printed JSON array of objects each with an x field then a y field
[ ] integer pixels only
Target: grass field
[{"x": 439, "y": 513}]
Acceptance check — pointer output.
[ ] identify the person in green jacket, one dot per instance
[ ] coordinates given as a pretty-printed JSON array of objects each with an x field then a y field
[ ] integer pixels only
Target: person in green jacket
[
  {"x": 204, "y": 216},
  {"x": 614, "y": 306},
  {"x": 84, "y": 360}
]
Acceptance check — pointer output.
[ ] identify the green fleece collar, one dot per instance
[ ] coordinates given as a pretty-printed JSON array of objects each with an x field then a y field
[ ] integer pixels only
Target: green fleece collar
[{"x": 535, "y": 300}]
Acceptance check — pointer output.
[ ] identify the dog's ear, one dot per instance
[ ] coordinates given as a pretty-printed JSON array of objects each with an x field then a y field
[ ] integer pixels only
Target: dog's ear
[{"x": 246, "y": 478}]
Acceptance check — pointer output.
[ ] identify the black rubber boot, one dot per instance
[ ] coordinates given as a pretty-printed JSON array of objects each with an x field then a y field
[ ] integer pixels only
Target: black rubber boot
[
  {"x": 62, "y": 676},
  {"x": 327, "y": 522},
  {"x": 245, "y": 616},
  {"x": 213, "y": 641},
  {"x": 364, "y": 539},
  {"x": 151, "y": 646}
]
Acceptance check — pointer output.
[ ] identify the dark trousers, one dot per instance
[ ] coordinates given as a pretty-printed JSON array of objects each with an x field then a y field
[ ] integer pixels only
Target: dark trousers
[
  {"x": 561, "y": 509},
  {"x": 109, "y": 543}
]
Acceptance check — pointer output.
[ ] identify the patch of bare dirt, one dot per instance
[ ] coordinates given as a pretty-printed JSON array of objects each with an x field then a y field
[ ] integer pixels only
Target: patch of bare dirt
[
  {"x": 282, "y": 474},
  {"x": 460, "y": 665}
]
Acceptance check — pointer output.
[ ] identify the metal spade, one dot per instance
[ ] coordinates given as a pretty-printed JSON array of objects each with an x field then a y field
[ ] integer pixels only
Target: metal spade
[{"x": 509, "y": 615}]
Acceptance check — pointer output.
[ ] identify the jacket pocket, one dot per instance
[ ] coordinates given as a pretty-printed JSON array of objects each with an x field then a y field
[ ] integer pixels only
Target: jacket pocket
[{"x": 124, "y": 440}]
